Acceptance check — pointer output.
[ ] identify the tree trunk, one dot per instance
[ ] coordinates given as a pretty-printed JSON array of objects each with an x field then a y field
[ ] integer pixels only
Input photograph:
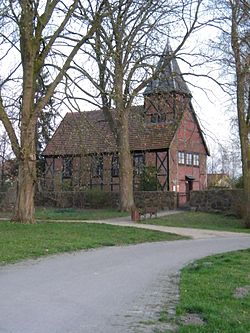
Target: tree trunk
[
  {"x": 243, "y": 109},
  {"x": 125, "y": 164},
  {"x": 24, "y": 208},
  {"x": 245, "y": 147},
  {"x": 246, "y": 181}
]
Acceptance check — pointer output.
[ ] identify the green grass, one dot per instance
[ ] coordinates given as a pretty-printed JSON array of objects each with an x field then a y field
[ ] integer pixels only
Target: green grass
[
  {"x": 207, "y": 288},
  {"x": 76, "y": 214},
  {"x": 18, "y": 241},
  {"x": 201, "y": 220},
  {"x": 72, "y": 214}
]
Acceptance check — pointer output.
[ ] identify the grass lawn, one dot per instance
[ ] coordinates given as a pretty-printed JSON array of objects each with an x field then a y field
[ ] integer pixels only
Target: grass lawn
[
  {"x": 217, "y": 290},
  {"x": 77, "y": 214},
  {"x": 201, "y": 220},
  {"x": 72, "y": 214},
  {"x": 18, "y": 241}
]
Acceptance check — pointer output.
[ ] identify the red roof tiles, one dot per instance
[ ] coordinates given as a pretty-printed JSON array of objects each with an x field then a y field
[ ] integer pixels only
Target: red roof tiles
[{"x": 89, "y": 132}]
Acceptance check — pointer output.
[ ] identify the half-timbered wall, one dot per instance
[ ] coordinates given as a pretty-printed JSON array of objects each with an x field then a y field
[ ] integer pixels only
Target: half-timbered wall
[
  {"x": 179, "y": 168},
  {"x": 102, "y": 171},
  {"x": 162, "y": 108}
]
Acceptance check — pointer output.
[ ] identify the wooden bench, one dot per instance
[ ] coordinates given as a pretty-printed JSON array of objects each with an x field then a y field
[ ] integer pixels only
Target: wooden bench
[{"x": 152, "y": 211}]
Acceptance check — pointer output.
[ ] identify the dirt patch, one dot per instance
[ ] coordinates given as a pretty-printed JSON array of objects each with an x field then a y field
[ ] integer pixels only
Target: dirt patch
[
  {"x": 193, "y": 319},
  {"x": 242, "y": 292}
]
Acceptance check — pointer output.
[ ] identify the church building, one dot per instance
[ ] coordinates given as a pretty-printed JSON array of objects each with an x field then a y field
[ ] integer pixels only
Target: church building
[{"x": 167, "y": 145}]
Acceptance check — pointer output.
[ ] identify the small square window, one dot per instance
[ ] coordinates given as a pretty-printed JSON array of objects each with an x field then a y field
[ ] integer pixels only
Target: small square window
[
  {"x": 154, "y": 118},
  {"x": 196, "y": 160},
  {"x": 181, "y": 157},
  {"x": 189, "y": 159}
]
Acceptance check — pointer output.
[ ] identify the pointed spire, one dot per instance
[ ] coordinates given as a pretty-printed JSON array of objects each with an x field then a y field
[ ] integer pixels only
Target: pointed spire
[{"x": 170, "y": 78}]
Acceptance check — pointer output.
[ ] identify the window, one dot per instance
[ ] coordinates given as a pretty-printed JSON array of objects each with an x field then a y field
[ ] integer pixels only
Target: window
[
  {"x": 196, "y": 159},
  {"x": 139, "y": 163},
  {"x": 67, "y": 167},
  {"x": 189, "y": 158},
  {"x": 162, "y": 118},
  {"x": 181, "y": 157},
  {"x": 115, "y": 166},
  {"x": 97, "y": 166},
  {"x": 157, "y": 118},
  {"x": 153, "y": 118}
]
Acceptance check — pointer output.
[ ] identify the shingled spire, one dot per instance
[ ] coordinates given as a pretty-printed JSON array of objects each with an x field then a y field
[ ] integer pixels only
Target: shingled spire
[{"x": 170, "y": 78}]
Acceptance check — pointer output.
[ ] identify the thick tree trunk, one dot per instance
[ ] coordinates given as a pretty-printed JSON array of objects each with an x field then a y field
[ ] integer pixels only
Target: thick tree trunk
[
  {"x": 246, "y": 179},
  {"x": 126, "y": 166},
  {"x": 243, "y": 109},
  {"x": 245, "y": 142},
  {"x": 24, "y": 209},
  {"x": 29, "y": 45}
]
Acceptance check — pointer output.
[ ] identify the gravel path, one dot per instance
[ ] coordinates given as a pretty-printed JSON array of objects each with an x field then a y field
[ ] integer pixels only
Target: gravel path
[{"x": 189, "y": 232}]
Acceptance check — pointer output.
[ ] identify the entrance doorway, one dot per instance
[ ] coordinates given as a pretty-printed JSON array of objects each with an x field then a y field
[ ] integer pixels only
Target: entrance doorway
[{"x": 189, "y": 186}]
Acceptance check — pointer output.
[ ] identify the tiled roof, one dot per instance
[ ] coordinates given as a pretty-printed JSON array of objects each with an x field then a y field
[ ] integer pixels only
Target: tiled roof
[{"x": 89, "y": 132}]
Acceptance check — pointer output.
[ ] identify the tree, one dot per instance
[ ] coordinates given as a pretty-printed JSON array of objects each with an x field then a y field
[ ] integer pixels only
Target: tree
[
  {"x": 36, "y": 36},
  {"x": 233, "y": 19},
  {"x": 240, "y": 42},
  {"x": 124, "y": 52},
  {"x": 4, "y": 155},
  {"x": 226, "y": 159},
  {"x": 47, "y": 119}
]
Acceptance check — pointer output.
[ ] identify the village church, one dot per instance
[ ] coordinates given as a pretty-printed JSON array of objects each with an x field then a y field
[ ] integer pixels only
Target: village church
[{"x": 167, "y": 144}]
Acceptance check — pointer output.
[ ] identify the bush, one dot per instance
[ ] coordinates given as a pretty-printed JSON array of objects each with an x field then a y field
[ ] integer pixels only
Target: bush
[
  {"x": 97, "y": 198},
  {"x": 67, "y": 185},
  {"x": 239, "y": 182},
  {"x": 149, "y": 181}
]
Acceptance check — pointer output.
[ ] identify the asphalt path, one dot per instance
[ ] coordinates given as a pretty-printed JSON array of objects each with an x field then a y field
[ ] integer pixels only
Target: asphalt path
[{"x": 106, "y": 290}]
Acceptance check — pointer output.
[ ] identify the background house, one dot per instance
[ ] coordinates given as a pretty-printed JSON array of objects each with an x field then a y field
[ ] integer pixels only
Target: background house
[
  {"x": 167, "y": 145},
  {"x": 219, "y": 180}
]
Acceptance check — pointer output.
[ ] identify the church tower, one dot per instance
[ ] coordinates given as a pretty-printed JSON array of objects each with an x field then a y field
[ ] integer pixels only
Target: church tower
[{"x": 166, "y": 96}]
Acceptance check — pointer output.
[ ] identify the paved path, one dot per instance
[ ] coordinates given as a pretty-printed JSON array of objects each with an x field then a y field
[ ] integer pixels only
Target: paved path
[
  {"x": 189, "y": 232},
  {"x": 108, "y": 290}
]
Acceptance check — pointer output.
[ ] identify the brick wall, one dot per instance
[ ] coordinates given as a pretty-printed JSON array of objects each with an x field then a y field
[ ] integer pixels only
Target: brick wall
[{"x": 222, "y": 200}]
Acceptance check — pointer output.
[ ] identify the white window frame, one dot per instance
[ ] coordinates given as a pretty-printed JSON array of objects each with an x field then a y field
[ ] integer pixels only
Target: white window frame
[
  {"x": 189, "y": 158},
  {"x": 181, "y": 157},
  {"x": 196, "y": 160}
]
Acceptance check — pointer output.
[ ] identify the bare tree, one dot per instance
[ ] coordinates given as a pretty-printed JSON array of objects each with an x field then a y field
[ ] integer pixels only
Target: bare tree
[
  {"x": 225, "y": 158},
  {"x": 240, "y": 41},
  {"x": 36, "y": 35},
  {"x": 233, "y": 53},
  {"x": 124, "y": 52},
  {"x": 4, "y": 155}
]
